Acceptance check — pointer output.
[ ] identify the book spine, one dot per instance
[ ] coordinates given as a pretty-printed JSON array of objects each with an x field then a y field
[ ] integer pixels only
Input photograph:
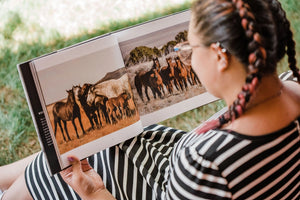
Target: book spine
[{"x": 38, "y": 117}]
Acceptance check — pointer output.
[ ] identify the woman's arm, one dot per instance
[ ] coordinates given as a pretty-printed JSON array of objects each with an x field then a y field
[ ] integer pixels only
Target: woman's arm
[{"x": 85, "y": 180}]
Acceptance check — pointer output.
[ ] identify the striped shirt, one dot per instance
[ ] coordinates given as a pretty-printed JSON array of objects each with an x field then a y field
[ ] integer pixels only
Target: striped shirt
[
  {"x": 227, "y": 165},
  {"x": 165, "y": 163}
]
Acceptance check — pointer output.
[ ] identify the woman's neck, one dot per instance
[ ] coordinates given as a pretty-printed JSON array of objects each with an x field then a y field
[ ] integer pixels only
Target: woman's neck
[
  {"x": 270, "y": 108},
  {"x": 270, "y": 87}
]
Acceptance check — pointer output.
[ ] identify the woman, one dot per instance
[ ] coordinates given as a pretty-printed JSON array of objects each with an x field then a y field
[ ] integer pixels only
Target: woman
[{"x": 251, "y": 151}]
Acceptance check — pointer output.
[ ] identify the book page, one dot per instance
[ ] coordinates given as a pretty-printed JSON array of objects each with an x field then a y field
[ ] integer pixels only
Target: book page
[
  {"x": 162, "y": 86},
  {"x": 86, "y": 97}
]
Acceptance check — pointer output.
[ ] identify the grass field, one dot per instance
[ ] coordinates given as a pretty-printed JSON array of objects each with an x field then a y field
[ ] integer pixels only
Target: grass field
[{"x": 33, "y": 28}]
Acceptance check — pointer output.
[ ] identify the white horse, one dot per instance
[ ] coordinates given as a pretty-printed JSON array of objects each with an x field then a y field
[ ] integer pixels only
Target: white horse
[{"x": 110, "y": 88}]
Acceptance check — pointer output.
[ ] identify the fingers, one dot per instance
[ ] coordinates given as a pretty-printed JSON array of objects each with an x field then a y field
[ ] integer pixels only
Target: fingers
[
  {"x": 78, "y": 165},
  {"x": 76, "y": 170},
  {"x": 75, "y": 162},
  {"x": 85, "y": 165}
]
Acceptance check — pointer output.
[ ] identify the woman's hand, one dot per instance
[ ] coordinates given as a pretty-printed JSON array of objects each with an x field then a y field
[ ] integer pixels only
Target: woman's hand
[{"x": 85, "y": 180}]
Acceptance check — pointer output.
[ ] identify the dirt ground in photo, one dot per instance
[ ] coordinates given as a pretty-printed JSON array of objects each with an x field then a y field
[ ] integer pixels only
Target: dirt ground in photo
[{"x": 91, "y": 134}]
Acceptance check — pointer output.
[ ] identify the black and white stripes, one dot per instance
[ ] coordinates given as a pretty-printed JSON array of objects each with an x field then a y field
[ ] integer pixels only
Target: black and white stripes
[
  {"x": 288, "y": 75},
  {"x": 164, "y": 163},
  {"x": 136, "y": 169},
  {"x": 232, "y": 166}
]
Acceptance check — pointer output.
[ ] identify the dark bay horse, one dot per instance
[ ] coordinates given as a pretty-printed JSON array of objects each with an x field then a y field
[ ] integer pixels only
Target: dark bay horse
[
  {"x": 90, "y": 110},
  {"x": 67, "y": 111},
  {"x": 191, "y": 75},
  {"x": 151, "y": 79},
  {"x": 167, "y": 74},
  {"x": 180, "y": 73},
  {"x": 99, "y": 101}
]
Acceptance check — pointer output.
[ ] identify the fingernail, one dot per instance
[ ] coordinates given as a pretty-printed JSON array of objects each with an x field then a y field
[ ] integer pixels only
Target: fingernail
[{"x": 71, "y": 159}]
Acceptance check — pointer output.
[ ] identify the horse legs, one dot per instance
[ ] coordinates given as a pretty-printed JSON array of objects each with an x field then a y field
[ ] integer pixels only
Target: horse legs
[
  {"x": 197, "y": 80},
  {"x": 170, "y": 87},
  {"x": 55, "y": 127},
  {"x": 162, "y": 89},
  {"x": 90, "y": 117},
  {"x": 104, "y": 112},
  {"x": 57, "y": 121},
  {"x": 61, "y": 128},
  {"x": 79, "y": 119},
  {"x": 146, "y": 92},
  {"x": 117, "y": 112},
  {"x": 73, "y": 122},
  {"x": 138, "y": 86},
  {"x": 190, "y": 78},
  {"x": 157, "y": 90},
  {"x": 141, "y": 94},
  {"x": 120, "y": 112},
  {"x": 176, "y": 83},
  {"x": 180, "y": 84},
  {"x": 94, "y": 117},
  {"x": 185, "y": 83},
  {"x": 66, "y": 129},
  {"x": 99, "y": 116}
]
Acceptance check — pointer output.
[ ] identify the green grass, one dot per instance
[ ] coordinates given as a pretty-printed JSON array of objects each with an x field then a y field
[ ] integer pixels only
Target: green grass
[{"x": 17, "y": 134}]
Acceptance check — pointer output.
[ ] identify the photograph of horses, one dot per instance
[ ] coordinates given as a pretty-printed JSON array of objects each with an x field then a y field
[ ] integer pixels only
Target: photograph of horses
[
  {"x": 86, "y": 93},
  {"x": 157, "y": 76},
  {"x": 92, "y": 111}
]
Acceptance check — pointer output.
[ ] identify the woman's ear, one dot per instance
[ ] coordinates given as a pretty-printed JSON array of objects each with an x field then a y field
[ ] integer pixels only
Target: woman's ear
[{"x": 222, "y": 56}]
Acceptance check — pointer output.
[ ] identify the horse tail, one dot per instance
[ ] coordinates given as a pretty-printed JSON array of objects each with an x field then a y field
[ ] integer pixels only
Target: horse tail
[
  {"x": 138, "y": 85},
  {"x": 55, "y": 120}
]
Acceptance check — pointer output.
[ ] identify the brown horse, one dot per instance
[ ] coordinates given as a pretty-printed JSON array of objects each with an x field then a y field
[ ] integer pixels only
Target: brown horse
[
  {"x": 180, "y": 73},
  {"x": 167, "y": 74},
  {"x": 124, "y": 104},
  {"x": 119, "y": 107},
  {"x": 67, "y": 111},
  {"x": 129, "y": 106},
  {"x": 113, "y": 109},
  {"x": 156, "y": 64},
  {"x": 157, "y": 81},
  {"x": 191, "y": 75},
  {"x": 151, "y": 79}
]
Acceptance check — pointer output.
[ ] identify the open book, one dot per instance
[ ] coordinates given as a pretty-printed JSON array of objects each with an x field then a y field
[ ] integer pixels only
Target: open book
[{"x": 100, "y": 92}]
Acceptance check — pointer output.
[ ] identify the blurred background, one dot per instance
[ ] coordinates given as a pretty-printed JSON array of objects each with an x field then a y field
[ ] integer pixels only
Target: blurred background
[{"x": 31, "y": 28}]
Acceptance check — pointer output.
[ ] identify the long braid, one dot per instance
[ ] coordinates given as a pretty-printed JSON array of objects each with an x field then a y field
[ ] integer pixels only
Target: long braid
[
  {"x": 291, "y": 52},
  {"x": 257, "y": 56},
  {"x": 286, "y": 37}
]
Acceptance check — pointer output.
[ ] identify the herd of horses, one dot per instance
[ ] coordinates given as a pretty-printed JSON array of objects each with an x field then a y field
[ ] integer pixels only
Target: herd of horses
[
  {"x": 99, "y": 109},
  {"x": 102, "y": 109},
  {"x": 176, "y": 73}
]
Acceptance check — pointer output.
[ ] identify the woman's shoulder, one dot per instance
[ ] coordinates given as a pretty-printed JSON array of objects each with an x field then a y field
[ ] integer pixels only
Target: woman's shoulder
[
  {"x": 214, "y": 143},
  {"x": 206, "y": 144},
  {"x": 292, "y": 95},
  {"x": 293, "y": 88}
]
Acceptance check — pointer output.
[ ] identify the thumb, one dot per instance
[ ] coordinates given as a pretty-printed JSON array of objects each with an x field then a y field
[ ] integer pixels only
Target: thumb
[{"x": 75, "y": 162}]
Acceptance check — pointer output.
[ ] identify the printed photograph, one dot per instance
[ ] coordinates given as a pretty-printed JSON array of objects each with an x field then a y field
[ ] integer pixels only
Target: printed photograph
[
  {"x": 157, "y": 75},
  {"x": 87, "y": 98}
]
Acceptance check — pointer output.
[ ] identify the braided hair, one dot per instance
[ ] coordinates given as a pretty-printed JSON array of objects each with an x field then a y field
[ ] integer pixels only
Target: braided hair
[
  {"x": 285, "y": 37},
  {"x": 252, "y": 23}
]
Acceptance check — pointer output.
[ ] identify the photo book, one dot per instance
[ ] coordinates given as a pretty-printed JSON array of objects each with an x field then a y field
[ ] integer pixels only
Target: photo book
[{"x": 103, "y": 91}]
